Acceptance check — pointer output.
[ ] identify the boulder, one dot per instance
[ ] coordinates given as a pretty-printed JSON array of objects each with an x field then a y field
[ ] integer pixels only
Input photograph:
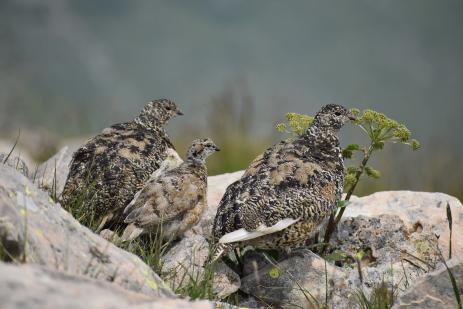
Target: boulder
[
  {"x": 393, "y": 236},
  {"x": 434, "y": 290},
  {"x": 423, "y": 212},
  {"x": 33, "y": 229},
  {"x": 15, "y": 162},
  {"x": 185, "y": 261},
  {"x": 34, "y": 286},
  {"x": 52, "y": 174},
  {"x": 302, "y": 280}
]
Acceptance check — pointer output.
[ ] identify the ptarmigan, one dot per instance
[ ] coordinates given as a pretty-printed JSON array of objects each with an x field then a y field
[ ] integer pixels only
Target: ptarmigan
[
  {"x": 107, "y": 171},
  {"x": 174, "y": 198},
  {"x": 287, "y": 192}
]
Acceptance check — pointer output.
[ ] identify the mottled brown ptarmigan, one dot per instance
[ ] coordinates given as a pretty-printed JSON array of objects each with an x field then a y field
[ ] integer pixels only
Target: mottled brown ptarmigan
[
  {"x": 287, "y": 192},
  {"x": 173, "y": 199},
  {"x": 107, "y": 171}
]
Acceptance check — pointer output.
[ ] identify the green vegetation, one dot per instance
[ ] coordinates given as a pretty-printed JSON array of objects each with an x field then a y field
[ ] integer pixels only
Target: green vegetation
[
  {"x": 79, "y": 209},
  {"x": 199, "y": 283},
  {"x": 381, "y": 297}
]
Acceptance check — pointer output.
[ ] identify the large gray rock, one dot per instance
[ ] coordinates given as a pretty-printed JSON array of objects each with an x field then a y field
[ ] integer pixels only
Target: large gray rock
[
  {"x": 387, "y": 249},
  {"x": 395, "y": 232},
  {"x": 15, "y": 162},
  {"x": 302, "y": 280},
  {"x": 33, "y": 286},
  {"x": 434, "y": 291},
  {"x": 33, "y": 229},
  {"x": 52, "y": 174},
  {"x": 420, "y": 211},
  {"x": 185, "y": 261}
]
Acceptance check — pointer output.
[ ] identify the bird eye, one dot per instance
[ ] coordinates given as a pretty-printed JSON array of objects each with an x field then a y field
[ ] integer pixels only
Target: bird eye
[
  {"x": 337, "y": 114},
  {"x": 168, "y": 108}
]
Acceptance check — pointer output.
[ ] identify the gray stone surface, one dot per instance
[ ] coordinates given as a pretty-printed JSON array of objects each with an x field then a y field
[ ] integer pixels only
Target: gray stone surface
[
  {"x": 33, "y": 286},
  {"x": 33, "y": 229},
  {"x": 434, "y": 291},
  {"x": 425, "y": 209},
  {"x": 14, "y": 161},
  {"x": 300, "y": 280},
  {"x": 186, "y": 260},
  {"x": 46, "y": 178}
]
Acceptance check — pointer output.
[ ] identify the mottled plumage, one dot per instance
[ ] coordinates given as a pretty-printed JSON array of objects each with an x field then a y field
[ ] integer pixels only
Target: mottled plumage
[
  {"x": 108, "y": 170},
  {"x": 174, "y": 198},
  {"x": 288, "y": 191}
]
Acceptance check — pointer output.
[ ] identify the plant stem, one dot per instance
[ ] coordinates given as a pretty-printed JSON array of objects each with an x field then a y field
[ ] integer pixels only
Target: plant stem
[
  {"x": 334, "y": 219},
  {"x": 362, "y": 166}
]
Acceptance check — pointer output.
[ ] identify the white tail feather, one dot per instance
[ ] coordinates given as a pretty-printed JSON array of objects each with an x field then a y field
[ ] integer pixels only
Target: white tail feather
[{"x": 242, "y": 234}]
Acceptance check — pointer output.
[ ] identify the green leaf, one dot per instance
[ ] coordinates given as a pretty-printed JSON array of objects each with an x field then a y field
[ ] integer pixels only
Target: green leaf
[
  {"x": 371, "y": 172},
  {"x": 352, "y": 147},
  {"x": 281, "y": 127},
  {"x": 352, "y": 170},
  {"x": 378, "y": 145},
  {"x": 415, "y": 144},
  {"x": 347, "y": 154}
]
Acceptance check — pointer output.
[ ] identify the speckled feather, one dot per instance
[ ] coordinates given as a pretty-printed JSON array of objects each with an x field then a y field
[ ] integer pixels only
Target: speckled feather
[
  {"x": 175, "y": 198},
  {"x": 112, "y": 166},
  {"x": 300, "y": 179}
]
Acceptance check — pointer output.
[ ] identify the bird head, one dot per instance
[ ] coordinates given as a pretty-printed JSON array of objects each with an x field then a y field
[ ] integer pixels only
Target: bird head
[
  {"x": 159, "y": 112},
  {"x": 333, "y": 116},
  {"x": 200, "y": 149}
]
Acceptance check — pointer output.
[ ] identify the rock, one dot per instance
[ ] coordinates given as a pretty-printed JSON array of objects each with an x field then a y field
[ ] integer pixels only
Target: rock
[
  {"x": 46, "y": 176},
  {"x": 186, "y": 258},
  {"x": 226, "y": 281},
  {"x": 15, "y": 162},
  {"x": 33, "y": 286},
  {"x": 7, "y": 145},
  {"x": 216, "y": 186},
  {"x": 185, "y": 261},
  {"x": 390, "y": 251},
  {"x": 33, "y": 229},
  {"x": 300, "y": 280},
  {"x": 421, "y": 211},
  {"x": 394, "y": 231},
  {"x": 434, "y": 290}
]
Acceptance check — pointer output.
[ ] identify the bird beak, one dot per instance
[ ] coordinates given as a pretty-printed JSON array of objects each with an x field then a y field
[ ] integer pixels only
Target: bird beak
[
  {"x": 179, "y": 113},
  {"x": 352, "y": 117},
  {"x": 217, "y": 148}
]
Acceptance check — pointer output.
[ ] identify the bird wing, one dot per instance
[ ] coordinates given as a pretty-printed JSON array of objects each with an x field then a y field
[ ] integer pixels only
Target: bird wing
[{"x": 165, "y": 198}]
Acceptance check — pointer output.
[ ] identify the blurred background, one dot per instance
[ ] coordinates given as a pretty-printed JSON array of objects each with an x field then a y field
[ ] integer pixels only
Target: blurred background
[{"x": 70, "y": 68}]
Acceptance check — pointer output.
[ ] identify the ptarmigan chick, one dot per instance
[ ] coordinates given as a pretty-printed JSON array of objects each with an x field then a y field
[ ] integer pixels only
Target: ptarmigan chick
[
  {"x": 108, "y": 170},
  {"x": 287, "y": 192},
  {"x": 174, "y": 198}
]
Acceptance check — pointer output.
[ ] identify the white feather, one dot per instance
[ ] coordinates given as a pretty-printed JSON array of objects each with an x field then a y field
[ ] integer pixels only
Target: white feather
[{"x": 242, "y": 234}]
